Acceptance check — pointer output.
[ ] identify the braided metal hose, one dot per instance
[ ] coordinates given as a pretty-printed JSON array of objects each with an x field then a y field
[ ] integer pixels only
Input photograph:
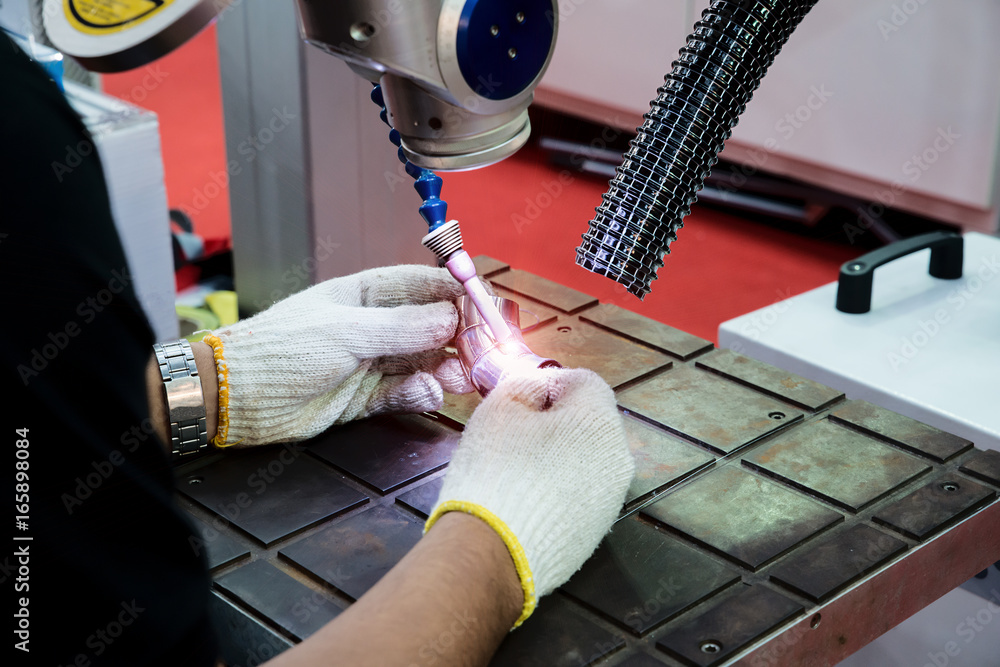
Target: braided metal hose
[{"x": 681, "y": 137}]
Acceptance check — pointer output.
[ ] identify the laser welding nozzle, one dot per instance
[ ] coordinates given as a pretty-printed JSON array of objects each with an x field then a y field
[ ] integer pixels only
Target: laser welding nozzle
[{"x": 446, "y": 243}]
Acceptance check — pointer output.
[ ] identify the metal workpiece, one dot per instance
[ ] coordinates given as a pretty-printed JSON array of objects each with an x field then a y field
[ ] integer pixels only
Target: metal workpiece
[
  {"x": 841, "y": 466},
  {"x": 565, "y": 299},
  {"x": 747, "y": 538},
  {"x": 266, "y": 589},
  {"x": 352, "y": 555},
  {"x": 236, "y": 489},
  {"x": 457, "y": 75},
  {"x": 637, "y": 563},
  {"x": 743, "y": 518},
  {"x": 781, "y": 384},
  {"x": 645, "y": 331},
  {"x": 985, "y": 466},
  {"x": 720, "y": 415},
  {"x": 387, "y": 452},
  {"x": 901, "y": 431},
  {"x": 485, "y": 359},
  {"x": 617, "y": 360},
  {"x": 661, "y": 460}
]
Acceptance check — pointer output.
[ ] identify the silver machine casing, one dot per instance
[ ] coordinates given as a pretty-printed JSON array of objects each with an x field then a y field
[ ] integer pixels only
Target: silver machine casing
[{"x": 325, "y": 195}]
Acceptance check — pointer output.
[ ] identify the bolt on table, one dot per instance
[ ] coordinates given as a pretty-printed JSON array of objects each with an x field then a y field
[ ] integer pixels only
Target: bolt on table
[{"x": 771, "y": 520}]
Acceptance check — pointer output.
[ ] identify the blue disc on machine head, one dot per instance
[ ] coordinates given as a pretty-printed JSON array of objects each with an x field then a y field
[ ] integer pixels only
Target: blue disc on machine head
[{"x": 503, "y": 44}]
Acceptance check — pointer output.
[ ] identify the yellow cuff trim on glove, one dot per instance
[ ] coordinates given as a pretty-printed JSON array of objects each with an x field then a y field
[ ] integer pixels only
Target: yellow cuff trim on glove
[
  {"x": 223, "y": 372},
  {"x": 509, "y": 539}
]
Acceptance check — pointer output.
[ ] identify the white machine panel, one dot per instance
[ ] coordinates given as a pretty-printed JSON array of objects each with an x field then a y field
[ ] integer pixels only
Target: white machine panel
[{"x": 928, "y": 349}]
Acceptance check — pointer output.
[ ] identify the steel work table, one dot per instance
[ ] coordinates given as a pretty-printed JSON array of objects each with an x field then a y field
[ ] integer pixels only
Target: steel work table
[{"x": 771, "y": 520}]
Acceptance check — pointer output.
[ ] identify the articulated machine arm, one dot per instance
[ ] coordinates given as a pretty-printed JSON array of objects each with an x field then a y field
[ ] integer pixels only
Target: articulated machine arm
[
  {"x": 454, "y": 79},
  {"x": 457, "y": 76}
]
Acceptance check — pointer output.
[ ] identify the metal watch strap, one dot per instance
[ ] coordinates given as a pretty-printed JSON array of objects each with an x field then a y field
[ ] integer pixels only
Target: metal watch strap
[{"x": 185, "y": 400}]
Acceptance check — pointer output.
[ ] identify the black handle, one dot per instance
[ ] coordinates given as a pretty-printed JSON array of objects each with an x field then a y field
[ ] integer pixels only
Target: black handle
[{"x": 854, "y": 291}]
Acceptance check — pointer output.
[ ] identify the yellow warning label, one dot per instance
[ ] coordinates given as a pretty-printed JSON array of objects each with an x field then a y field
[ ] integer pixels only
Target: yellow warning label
[{"x": 99, "y": 17}]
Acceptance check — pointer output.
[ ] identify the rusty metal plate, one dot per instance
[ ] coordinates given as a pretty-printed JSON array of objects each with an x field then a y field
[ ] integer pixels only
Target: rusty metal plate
[
  {"x": 243, "y": 639},
  {"x": 533, "y": 314},
  {"x": 458, "y": 408},
  {"x": 289, "y": 603},
  {"x": 835, "y": 562},
  {"x": 535, "y": 287},
  {"x": 839, "y": 465},
  {"x": 556, "y": 635},
  {"x": 423, "y": 498},
  {"x": 741, "y": 516},
  {"x": 660, "y": 459},
  {"x": 485, "y": 265},
  {"x": 710, "y": 638},
  {"x": 935, "y": 505},
  {"x": 721, "y": 415},
  {"x": 985, "y": 466},
  {"x": 579, "y": 345},
  {"x": 770, "y": 380},
  {"x": 353, "y": 554},
  {"x": 640, "y": 660},
  {"x": 646, "y": 331},
  {"x": 901, "y": 431},
  {"x": 220, "y": 547},
  {"x": 641, "y": 577},
  {"x": 387, "y": 452},
  {"x": 251, "y": 488}
]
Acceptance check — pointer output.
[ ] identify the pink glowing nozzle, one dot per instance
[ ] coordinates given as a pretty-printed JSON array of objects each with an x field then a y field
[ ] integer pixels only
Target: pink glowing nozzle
[{"x": 461, "y": 267}]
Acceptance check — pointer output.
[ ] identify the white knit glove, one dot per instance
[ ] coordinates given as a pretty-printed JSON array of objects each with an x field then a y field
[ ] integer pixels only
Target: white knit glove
[
  {"x": 347, "y": 348},
  {"x": 545, "y": 463}
]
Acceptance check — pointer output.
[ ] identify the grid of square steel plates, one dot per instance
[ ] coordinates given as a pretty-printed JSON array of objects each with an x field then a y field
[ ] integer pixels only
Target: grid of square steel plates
[{"x": 760, "y": 497}]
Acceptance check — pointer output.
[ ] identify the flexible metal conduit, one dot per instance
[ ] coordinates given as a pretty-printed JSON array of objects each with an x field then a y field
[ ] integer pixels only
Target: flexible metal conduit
[{"x": 674, "y": 150}]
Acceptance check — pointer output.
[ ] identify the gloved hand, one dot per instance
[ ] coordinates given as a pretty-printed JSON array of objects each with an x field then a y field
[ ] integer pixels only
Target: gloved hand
[
  {"x": 347, "y": 348},
  {"x": 544, "y": 461}
]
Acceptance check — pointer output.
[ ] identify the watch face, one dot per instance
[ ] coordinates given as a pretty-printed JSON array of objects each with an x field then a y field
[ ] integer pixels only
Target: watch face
[{"x": 185, "y": 399}]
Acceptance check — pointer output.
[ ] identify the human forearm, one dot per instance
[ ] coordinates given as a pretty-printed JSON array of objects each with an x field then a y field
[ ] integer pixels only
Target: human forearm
[
  {"x": 450, "y": 601},
  {"x": 157, "y": 400}
]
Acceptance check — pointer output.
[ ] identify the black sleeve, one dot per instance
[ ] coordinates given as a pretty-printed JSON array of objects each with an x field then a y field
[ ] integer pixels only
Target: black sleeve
[{"x": 110, "y": 572}]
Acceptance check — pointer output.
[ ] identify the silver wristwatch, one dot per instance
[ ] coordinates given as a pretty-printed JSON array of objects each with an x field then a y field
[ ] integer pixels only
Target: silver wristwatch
[{"x": 185, "y": 400}]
